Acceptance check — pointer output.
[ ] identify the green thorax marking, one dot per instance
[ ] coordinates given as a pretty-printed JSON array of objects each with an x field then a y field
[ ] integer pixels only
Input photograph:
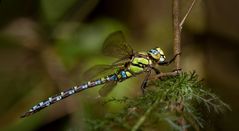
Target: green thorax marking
[{"x": 139, "y": 62}]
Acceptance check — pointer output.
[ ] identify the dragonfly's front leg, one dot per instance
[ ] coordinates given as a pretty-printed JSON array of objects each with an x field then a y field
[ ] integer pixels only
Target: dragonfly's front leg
[
  {"x": 169, "y": 62},
  {"x": 144, "y": 84}
]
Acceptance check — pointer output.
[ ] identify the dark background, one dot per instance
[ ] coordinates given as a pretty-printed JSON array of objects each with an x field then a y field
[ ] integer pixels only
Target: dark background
[{"x": 45, "y": 46}]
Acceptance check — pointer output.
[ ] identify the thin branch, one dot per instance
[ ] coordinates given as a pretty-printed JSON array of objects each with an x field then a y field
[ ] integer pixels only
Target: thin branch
[
  {"x": 177, "y": 45},
  {"x": 176, "y": 32},
  {"x": 161, "y": 75},
  {"x": 187, "y": 13}
]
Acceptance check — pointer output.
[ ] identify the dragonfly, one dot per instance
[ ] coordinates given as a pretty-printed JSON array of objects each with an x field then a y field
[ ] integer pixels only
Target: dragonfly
[{"x": 130, "y": 63}]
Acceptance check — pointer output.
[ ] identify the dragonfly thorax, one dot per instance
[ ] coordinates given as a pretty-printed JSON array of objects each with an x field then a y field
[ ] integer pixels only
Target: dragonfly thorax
[
  {"x": 137, "y": 65},
  {"x": 139, "y": 62}
]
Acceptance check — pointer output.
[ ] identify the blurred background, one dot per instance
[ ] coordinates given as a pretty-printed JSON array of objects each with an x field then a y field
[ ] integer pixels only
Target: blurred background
[{"x": 46, "y": 45}]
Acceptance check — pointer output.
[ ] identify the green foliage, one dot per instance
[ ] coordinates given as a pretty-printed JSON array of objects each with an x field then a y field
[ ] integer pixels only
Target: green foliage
[{"x": 174, "y": 103}]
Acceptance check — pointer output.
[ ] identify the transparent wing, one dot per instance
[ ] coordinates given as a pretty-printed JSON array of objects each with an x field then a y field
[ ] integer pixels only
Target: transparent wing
[
  {"x": 116, "y": 46},
  {"x": 107, "y": 88},
  {"x": 98, "y": 70}
]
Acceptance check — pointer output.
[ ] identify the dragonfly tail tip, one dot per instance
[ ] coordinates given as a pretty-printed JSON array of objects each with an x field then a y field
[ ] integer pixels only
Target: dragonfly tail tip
[{"x": 25, "y": 114}]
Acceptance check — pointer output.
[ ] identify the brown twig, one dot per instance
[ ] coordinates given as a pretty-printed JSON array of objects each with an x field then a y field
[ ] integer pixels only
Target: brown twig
[
  {"x": 166, "y": 74},
  {"x": 177, "y": 45},
  {"x": 187, "y": 13},
  {"x": 176, "y": 32}
]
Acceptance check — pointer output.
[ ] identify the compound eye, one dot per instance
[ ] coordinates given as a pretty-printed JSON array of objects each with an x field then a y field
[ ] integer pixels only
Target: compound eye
[{"x": 155, "y": 52}]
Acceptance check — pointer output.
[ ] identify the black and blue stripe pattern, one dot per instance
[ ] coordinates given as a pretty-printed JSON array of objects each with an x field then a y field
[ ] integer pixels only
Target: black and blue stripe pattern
[{"x": 69, "y": 92}]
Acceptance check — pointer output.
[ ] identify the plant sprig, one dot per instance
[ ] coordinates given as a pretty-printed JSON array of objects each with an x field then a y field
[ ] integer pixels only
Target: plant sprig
[{"x": 165, "y": 103}]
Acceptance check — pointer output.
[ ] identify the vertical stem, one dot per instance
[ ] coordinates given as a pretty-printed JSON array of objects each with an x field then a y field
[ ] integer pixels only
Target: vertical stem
[
  {"x": 176, "y": 32},
  {"x": 177, "y": 48}
]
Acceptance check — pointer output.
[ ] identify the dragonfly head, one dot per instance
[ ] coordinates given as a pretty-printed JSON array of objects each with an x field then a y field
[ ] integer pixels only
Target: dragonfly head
[{"x": 157, "y": 54}]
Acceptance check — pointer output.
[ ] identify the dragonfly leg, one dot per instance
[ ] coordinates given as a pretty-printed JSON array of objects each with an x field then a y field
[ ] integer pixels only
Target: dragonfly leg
[
  {"x": 157, "y": 71},
  {"x": 144, "y": 84},
  {"x": 169, "y": 62}
]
